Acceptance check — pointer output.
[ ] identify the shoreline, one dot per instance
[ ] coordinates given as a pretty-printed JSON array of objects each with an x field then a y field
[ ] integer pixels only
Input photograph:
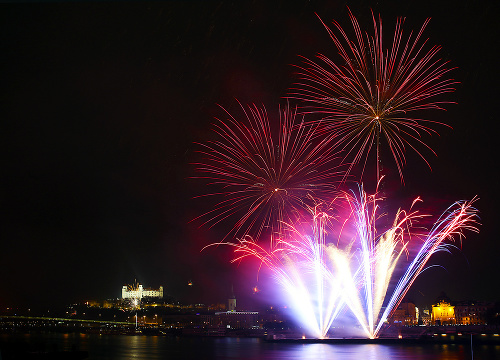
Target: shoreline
[{"x": 487, "y": 339}]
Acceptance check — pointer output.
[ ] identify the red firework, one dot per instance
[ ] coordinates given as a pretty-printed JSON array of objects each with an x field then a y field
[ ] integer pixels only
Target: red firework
[
  {"x": 265, "y": 174},
  {"x": 376, "y": 92}
]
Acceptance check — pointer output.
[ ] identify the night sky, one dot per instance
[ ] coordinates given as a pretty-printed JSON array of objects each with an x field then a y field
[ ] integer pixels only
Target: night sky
[{"x": 101, "y": 106}]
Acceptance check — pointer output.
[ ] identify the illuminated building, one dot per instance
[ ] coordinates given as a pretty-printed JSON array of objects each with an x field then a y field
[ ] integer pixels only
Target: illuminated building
[
  {"x": 472, "y": 312},
  {"x": 425, "y": 317},
  {"x": 140, "y": 292},
  {"x": 93, "y": 303},
  {"x": 443, "y": 313},
  {"x": 405, "y": 314}
]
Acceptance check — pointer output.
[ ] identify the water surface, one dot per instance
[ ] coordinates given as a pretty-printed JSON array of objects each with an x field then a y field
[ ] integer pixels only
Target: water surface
[{"x": 123, "y": 347}]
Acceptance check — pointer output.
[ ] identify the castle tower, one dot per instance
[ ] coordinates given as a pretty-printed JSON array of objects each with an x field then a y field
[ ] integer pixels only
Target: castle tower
[{"x": 232, "y": 301}]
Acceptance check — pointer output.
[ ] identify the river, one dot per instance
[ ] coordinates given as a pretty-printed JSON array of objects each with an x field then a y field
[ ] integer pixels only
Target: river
[{"x": 123, "y": 347}]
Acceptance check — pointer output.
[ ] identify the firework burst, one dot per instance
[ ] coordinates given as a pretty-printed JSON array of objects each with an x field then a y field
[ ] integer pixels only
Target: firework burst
[
  {"x": 133, "y": 302},
  {"x": 264, "y": 174},
  {"x": 379, "y": 252},
  {"x": 376, "y": 92},
  {"x": 321, "y": 276},
  {"x": 272, "y": 177},
  {"x": 297, "y": 261}
]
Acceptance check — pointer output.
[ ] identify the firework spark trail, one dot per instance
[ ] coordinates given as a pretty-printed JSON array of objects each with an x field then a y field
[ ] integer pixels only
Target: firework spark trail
[
  {"x": 458, "y": 217},
  {"x": 133, "y": 303},
  {"x": 270, "y": 179},
  {"x": 263, "y": 174},
  {"x": 320, "y": 277},
  {"x": 299, "y": 266},
  {"x": 377, "y": 258},
  {"x": 379, "y": 255},
  {"x": 376, "y": 91}
]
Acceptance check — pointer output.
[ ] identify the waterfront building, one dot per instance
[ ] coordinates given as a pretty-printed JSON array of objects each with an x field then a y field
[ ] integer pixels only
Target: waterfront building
[
  {"x": 472, "y": 312},
  {"x": 405, "y": 314},
  {"x": 425, "y": 317},
  {"x": 443, "y": 312}
]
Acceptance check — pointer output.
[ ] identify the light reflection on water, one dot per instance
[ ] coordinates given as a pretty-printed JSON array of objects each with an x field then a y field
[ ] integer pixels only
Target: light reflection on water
[
  {"x": 122, "y": 347},
  {"x": 343, "y": 351}
]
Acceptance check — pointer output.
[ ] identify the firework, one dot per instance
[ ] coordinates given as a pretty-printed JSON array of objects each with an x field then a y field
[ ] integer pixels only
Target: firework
[
  {"x": 378, "y": 253},
  {"x": 321, "y": 276},
  {"x": 264, "y": 174},
  {"x": 273, "y": 177},
  {"x": 375, "y": 92},
  {"x": 458, "y": 217},
  {"x": 133, "y": 302},
  {"x": 299, "y": 267}
]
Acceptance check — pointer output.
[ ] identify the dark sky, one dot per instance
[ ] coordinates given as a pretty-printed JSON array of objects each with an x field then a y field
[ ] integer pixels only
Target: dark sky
[{"x": 101, "y": 104}]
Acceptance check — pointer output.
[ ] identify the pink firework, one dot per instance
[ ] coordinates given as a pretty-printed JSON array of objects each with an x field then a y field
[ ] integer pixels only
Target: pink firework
[
  {"x": 321, "y": 276},
  {"x": 264, "y": 174},
  {"x": 375, "y": 92}
]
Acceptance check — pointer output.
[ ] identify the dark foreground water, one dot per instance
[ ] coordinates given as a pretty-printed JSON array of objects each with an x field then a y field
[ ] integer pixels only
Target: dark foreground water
[{"x": 123, "y": 347}]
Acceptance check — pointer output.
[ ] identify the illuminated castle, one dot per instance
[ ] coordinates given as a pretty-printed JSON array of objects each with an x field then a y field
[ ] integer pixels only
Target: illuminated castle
[{"x": 139, "y": 292}]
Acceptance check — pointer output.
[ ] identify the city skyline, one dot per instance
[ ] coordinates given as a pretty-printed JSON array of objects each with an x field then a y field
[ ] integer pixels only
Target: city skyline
[{"x": 104, "y": 104}]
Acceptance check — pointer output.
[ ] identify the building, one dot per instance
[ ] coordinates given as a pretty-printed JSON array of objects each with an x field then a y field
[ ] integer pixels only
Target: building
[
  {"x": 472, "y": 312},
  {"x": 405, "y": 314},
  {"x": 425, "y": 317},
  {"x": 139, "y": 292},
  {"x": 231, "y": 319},
  {"x": 443, "y": 312},
  {"x": 232, "y": 301},
  {"x": 234, "y": 319}
]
